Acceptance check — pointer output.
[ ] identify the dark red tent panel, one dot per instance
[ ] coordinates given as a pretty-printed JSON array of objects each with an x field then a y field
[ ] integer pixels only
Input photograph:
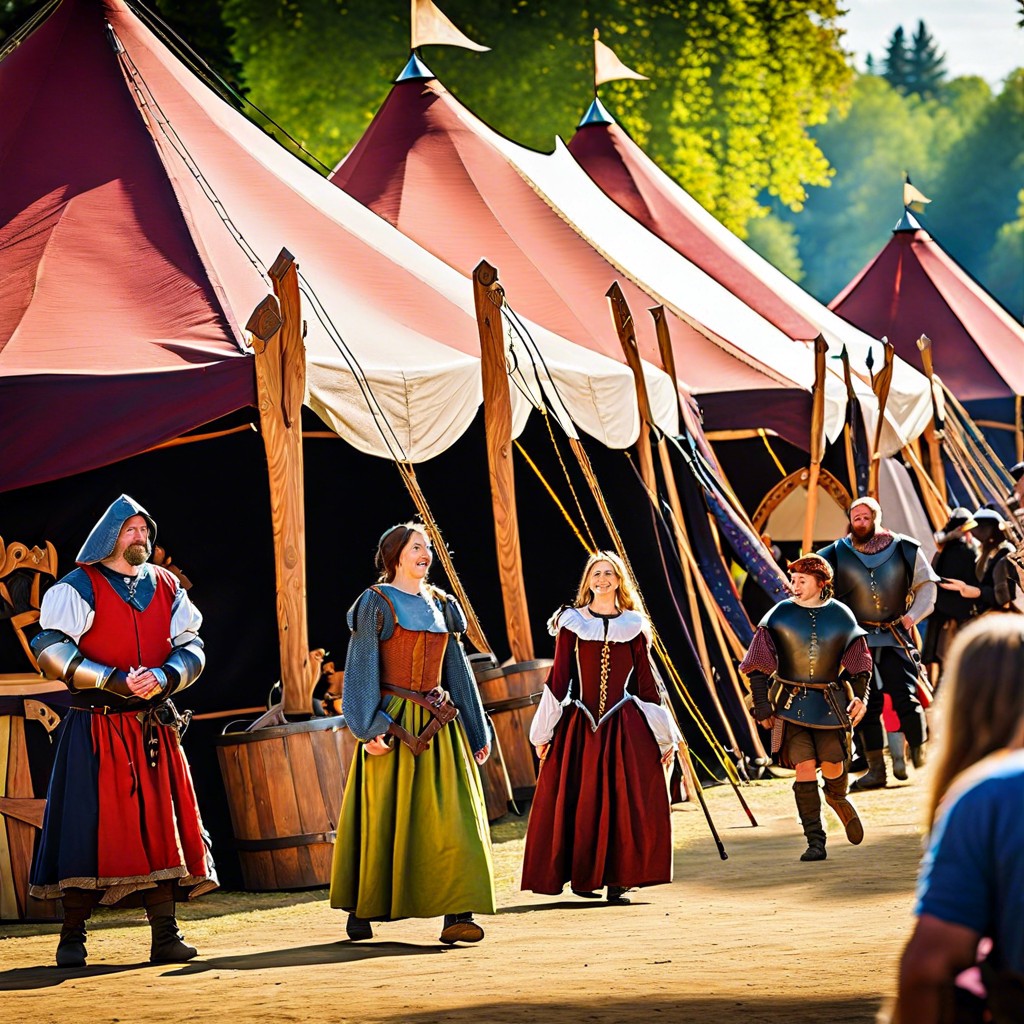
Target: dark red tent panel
[
  {"x": 113, "y": 337},
  {"x": 913, "y": 287}
]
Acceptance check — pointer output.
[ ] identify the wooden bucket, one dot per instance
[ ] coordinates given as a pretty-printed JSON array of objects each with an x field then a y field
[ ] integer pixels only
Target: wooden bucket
[
  {"x": 21, "y": 817},
  {"x": 496, "y": 783},
  {"x": 284, "y": 786},
  {"x": 510, "y": 695}
]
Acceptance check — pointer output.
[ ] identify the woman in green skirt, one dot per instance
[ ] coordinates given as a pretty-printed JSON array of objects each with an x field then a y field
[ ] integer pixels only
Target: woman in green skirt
[{"x": 412, "y": 838}]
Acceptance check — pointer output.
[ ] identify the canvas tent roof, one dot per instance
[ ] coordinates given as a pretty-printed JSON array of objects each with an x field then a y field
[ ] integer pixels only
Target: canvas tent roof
[
  {"x": 913, "y": 287},
  {"x": 132, "y": 248},
  {"x": 635, "y": 182},
  {"x": 432, "y": 168}
]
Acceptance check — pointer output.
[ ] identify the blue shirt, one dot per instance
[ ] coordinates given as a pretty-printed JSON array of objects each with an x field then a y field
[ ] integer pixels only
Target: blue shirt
[{"x": 973, "y": 870}]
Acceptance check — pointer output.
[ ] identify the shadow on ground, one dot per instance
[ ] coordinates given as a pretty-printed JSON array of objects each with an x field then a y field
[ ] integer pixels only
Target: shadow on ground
[{"x": 603, "y": 1010}]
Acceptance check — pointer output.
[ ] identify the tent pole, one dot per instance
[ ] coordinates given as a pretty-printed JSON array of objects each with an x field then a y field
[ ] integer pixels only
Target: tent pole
[
  {"x": 880, "y": 385},
  {"x": 933, "y": 431},
  {"x": 489, "y": 297},
  {"x": 1018, "y": 422},
  {"x": 623, "y": 319},
  {"x": 817, "y": 444},
  {"x": 280, "y": 384}
]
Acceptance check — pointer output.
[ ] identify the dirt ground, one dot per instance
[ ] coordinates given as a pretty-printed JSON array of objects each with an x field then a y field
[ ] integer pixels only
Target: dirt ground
[{"x": 757, "y": 938}]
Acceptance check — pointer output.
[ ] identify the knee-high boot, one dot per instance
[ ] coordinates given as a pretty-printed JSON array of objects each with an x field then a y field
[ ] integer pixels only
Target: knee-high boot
[
  {"x": 835, "y": 796},
  {"x": 168, "y": 945},
  {"x": 808, "y": 806},
  {"x": 876, "y": 776},
  {"x": 78, "y": 907}
]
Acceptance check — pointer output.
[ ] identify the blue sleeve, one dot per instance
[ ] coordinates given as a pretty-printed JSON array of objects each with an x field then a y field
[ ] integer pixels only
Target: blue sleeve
[
  {"x": 369, "y": 619},
  {"x": 957, "y": 872},
  {"x": 460, "y": 681}
]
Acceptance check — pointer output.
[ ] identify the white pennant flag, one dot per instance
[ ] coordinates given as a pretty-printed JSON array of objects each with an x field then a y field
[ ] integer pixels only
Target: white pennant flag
[
  {"x": 430, "y": 26},
  {"x": 608, "y": 67},
  {"x": 912, "y": 194}
]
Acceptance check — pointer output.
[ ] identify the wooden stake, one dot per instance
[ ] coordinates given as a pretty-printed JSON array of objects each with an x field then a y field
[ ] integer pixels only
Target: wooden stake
[
  {"x": 489, "y": 297},
  {"x": 280, "y": 385}
]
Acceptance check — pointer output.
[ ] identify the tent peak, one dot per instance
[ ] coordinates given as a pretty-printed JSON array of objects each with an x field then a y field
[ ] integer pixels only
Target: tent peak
[
  {"x": 414, "y": 69},
  {"x": 596, "y": 113},
  {"x": 908, "y": 222}
]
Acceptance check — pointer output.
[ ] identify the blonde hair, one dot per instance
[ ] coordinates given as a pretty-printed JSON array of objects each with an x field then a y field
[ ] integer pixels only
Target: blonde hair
[
  {"x": 626, "y": 596},
  {"x": 981, "y": 701}
]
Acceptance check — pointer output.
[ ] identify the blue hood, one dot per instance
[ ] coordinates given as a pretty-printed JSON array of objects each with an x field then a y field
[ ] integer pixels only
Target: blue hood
[{"x": 100, "y": 542}]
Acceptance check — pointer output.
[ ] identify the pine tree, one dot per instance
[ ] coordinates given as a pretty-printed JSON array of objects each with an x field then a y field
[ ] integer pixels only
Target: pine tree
[
  {"x": 869, "y": 65},
  {"x": 926, "y": 65},
  {"x": 897, "y": 61}
]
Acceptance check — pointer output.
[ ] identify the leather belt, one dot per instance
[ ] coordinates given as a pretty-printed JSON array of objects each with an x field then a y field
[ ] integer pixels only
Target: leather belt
[{"x": 436, "y": 701}]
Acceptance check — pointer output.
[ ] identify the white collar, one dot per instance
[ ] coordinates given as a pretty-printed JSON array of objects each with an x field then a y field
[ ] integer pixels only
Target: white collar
[{"x": 623, "y": 628}]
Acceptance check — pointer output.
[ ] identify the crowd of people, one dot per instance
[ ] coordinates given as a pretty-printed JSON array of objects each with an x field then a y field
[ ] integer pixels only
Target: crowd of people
[{"x": 122, "y": 825}]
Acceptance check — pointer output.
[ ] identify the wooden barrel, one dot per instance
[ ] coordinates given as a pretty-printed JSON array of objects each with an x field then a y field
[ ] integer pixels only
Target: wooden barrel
[
  {"x": 284, "y": 786},
  {"x": 510, "y": 696},
  {"x": 22, "y": 801}
]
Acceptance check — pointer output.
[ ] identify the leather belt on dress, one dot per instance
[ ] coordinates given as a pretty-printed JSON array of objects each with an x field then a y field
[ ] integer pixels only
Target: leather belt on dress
[{"x": 436, "y": 701}]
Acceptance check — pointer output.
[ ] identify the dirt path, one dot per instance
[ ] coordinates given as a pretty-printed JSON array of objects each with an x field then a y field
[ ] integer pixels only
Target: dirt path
[{"x": 739, "y": 940}]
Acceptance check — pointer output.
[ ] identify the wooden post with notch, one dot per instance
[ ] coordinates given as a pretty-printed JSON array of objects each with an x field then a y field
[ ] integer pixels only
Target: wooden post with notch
[
  {"x": 817, "y": 444},
  {"x": 280, "y": 386},
  {"x": 489, "y": 297}
]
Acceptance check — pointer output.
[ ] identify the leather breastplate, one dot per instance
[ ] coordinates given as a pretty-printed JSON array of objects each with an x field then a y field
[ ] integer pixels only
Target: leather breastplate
[
  {"x": 875, "y": 587},
  {"x": 810, "y": 642},
  {"x": 412, "y": 658}
]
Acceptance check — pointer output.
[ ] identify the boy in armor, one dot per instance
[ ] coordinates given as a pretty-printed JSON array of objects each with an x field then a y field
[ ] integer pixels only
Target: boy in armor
[{"x": 809, "y": 669}]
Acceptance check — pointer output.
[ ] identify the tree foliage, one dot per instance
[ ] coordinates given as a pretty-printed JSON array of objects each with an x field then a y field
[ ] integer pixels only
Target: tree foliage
[
  {"x": 915, "y": 68},
  {"x": 735, "y": 83}
]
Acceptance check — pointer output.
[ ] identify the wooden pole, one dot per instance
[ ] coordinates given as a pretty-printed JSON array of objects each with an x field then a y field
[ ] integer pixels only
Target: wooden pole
[
  {"x": 932, "y": 434},
  {"x": 817, "y": 443},
  {"x": 880, "y": 384},
  {"x": 280, "y": 385},
  {"x": 489, "y": 297},
  {"x": 848, "y": 426},
  {"x": 623, "y": 320},
  {"x": 1018, "y": 422},
  {"x": 624, "y": 325}
]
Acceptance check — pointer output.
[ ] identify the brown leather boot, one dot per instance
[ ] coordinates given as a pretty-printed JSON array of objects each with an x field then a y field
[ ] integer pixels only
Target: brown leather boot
[
  {"x": 169, "y": 946},
  {"x": 808, "y": 806},
  {"x": 78, "y": 905},
  {"x": 875, "y": 777},
  {"x": 835, "y": 797}
]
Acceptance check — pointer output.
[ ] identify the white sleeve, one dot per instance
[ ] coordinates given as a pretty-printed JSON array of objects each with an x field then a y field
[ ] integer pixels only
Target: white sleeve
[
  {"x": 549, "y": 714},
  {"x": 924, "y": 587},
  {"x": 185, "y": 619},
  {"x": 64, "y": 609},
  {"x": 662, "y": 724}
]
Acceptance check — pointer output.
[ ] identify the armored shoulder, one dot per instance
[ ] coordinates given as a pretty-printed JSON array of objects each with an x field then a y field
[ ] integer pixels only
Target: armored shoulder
[
  {"x": 830, "y": 554},
  {"x": 843, "y": 615}
]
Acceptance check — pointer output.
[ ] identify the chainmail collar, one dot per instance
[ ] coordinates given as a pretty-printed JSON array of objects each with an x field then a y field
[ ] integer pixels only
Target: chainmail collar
[{"x": 879, "y": 541}]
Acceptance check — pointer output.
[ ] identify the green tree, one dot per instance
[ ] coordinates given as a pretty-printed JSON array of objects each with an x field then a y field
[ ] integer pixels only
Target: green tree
[
  {"x": 1004, "y": 275},
  {"x": 776, "y": 241},
  {"x": 736, "y": 84},
  {"x": 883, "y": 134},
  {"x": 926, "y": 66},
  {"x": 897, "y": 60},
  {"x": 976, "y": 193}
]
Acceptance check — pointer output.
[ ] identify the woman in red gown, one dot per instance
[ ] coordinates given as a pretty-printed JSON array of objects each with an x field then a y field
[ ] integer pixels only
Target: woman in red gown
[{"x": 601, "y": 815}]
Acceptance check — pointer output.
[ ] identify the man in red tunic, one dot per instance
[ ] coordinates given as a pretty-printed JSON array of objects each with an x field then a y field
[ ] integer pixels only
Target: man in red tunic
[{"x": 121, "y": 825}]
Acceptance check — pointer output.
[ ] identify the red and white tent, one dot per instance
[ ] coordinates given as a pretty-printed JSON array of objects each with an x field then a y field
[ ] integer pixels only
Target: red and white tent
[
  {"x": 437, "y": 172},
  {"x": 637, "y": 185},
  {"x": 138, "y": 213}
]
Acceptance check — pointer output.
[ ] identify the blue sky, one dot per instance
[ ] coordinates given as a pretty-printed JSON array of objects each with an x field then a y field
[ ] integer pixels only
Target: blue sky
[{"x": 979, "y": 37}]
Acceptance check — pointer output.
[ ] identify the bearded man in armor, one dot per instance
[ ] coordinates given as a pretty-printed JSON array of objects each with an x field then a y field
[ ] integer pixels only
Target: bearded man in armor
[
  {"x": 889, "y": 586},
  {"x": 121, "y": 825},
  {"x": 809, "y": 669}
]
